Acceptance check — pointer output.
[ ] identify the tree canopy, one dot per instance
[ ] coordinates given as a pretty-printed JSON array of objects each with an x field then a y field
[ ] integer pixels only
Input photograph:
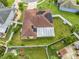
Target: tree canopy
[{"x": 4, "y": 2}]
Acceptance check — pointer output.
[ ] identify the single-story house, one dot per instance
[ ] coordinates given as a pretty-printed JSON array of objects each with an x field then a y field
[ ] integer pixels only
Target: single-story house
[
  {"x": 6, "y": 17},
  {"x": 62, "y": 52},
  {"x": 69, "y": 52},
  {"x": 37, "y": 24},
  {"x": 68, "y": 5}
]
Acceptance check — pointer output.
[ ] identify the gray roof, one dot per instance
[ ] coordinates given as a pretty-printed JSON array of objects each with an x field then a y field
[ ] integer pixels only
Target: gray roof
[
  {"x": 7, "y": 15},
  {"x": 4, "y": 13}
]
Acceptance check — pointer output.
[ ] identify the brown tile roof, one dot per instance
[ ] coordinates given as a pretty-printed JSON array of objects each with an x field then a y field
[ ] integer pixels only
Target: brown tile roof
[
  {"x": 62, "y": 52},
  {"x": 37, "y": 20},
  {"x": 27, "y": 30},
  {"x": 40, "y": 21},
  {"x": 31, "y": 18}
]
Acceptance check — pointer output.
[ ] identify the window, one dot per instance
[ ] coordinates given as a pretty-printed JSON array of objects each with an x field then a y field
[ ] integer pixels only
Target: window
[{"x": 34, "y": 29}]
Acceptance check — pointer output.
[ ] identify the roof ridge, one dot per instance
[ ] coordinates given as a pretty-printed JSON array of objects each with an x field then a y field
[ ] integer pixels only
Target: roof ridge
[{"x": 46, "y": 20}]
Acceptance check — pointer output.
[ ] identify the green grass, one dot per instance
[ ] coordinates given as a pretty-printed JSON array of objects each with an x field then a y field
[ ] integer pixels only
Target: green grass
[
  {"x": 59, "y": 45},
  {"x": 36, "y": 53},
  {"x": 31, "y": 53},
  {"x": 73, "y": 18},
  {"x": 10, "y": 2},
  {"x": 52, "y": 53},
  {"x": 61, "y": 31},
  {"x": 77, "y": 1}
]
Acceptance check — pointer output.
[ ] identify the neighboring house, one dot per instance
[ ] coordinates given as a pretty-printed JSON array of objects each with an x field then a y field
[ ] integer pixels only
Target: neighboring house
[
  {"x": 70, "y": 52},
  {"x": 68, "y": 5},
  {"x": 6, "y": 17},
  {"x": 37, "y": 24}
]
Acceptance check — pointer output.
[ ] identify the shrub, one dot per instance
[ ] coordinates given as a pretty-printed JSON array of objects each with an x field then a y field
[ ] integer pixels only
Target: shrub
[
  {"x": 2, "y": 50},
  {"x": 4, "y": 2},
  {"x": 68, "y": 40},
  {"x": 77, "y": 13},
  {"x": 21, "y": 6},
  {"x": 75, "y": 28},
  {"x": 9, "y": 56}
]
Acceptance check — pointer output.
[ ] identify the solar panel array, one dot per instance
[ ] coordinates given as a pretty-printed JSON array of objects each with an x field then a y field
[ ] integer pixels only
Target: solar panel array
[
  {"x": 45, "y": 32},
  {"x": 49, "y": 17}
]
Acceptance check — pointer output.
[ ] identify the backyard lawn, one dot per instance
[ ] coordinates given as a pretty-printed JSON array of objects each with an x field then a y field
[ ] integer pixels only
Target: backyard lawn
[
  {"x": 61, "y": 31},
  {"x": 59, "y": 45},
  {"x": 73, "y": 18},
  {"x": 30, "y": 53},
  {"x": 36, "y": 53},
  {"x": 10, "y": 2}
]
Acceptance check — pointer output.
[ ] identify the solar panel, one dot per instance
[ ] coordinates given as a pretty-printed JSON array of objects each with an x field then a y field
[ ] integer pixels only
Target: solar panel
[
  {"x": 45, "y": 32},
  {"x": 49, "y": 17}
]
